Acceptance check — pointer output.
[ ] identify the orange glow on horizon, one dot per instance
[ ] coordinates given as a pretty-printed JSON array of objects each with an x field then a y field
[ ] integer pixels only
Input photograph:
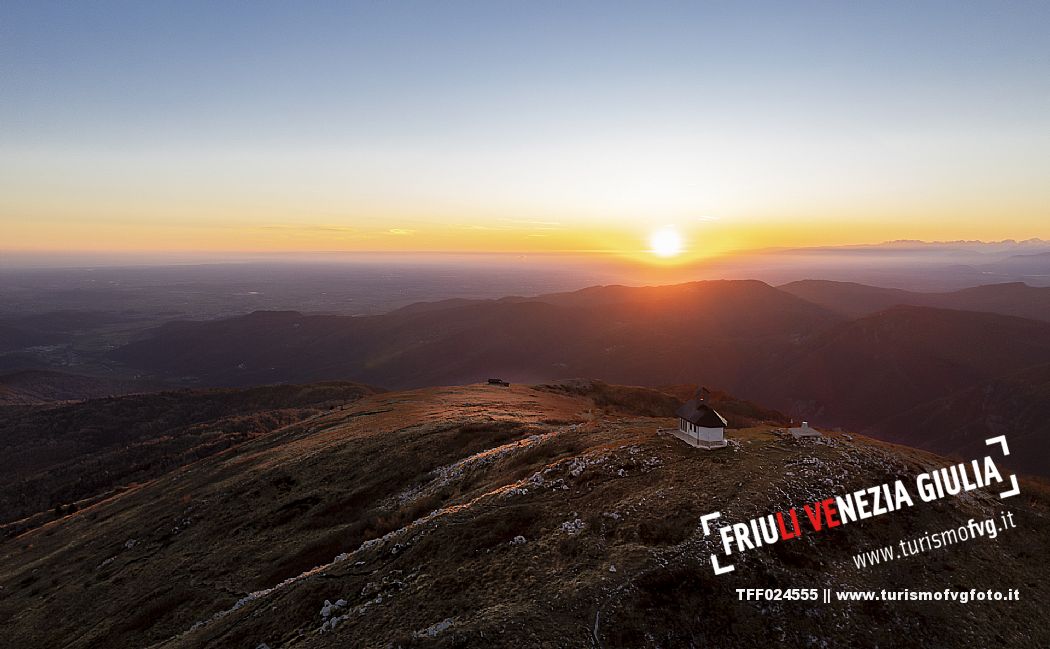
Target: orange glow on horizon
[{"x": 700, "y": 240}]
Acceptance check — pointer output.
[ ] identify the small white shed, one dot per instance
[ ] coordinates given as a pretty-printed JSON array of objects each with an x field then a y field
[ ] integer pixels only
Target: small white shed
[
  {"x": 700, "y": 425},
  {"x": 804, "y": 431}
]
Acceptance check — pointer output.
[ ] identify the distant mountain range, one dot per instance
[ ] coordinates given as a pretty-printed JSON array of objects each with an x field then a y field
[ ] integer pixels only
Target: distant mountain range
[
  {"x": 674, "y": 334},
  {"x": 852, "y": 300},
  {"x": 838, "y": 354}
]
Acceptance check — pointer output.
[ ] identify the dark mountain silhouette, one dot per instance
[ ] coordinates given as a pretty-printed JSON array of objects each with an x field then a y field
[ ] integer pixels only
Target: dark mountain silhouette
[
  {"x": 745, "y": 337},
  {"x": 854, "y": 300},
  {"x": 1016, "y": 405},
  {"x": 864, "y": 372},
  {"x": 849, "y": 298},
  {"x": 716, "y": 331},
  {"x": 1014, "y": 298}
]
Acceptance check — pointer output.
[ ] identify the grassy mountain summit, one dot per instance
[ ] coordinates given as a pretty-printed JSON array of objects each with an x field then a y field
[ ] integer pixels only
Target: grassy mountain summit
[{"x": 551, "y": 515}]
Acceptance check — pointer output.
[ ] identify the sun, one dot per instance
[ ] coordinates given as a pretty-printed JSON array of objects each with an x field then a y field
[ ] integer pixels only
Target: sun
[{"x": 665, "y": 242}]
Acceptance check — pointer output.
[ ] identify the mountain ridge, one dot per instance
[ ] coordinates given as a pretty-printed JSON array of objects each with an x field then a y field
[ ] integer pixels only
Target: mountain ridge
[
  {"x": 855, "y": 300},
  {"x": 500, "y": 517},
  {"x": 747, "y": 338}
]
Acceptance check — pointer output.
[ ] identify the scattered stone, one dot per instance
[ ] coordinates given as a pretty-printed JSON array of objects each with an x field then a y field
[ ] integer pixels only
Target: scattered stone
[
  {"x": 434, "y": 629},
  {"x": 329, "y": 609},
  {"x": 573, "y": 527}
]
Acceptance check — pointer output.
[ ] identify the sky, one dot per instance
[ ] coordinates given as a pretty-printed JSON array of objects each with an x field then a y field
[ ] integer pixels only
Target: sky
[{"x": 558, "y": 127}]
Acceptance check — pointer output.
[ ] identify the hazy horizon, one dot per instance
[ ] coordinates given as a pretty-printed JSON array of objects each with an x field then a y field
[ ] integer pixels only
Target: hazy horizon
[
  {"x": 15, "y": 259},
  {"x": 656, "y": 137}
]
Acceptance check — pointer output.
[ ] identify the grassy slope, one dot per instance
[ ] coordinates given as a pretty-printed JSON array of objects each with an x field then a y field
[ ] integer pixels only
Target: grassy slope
[
  {"x": 446, "y": 479},
  {"x": 71, "y": 453}
]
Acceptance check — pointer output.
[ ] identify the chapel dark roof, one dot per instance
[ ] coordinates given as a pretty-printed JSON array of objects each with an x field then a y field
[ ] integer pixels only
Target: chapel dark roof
[{"x": 699, "y": 413}]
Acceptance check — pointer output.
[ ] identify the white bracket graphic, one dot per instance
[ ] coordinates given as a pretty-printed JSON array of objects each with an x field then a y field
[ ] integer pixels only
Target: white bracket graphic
[
  {"x": 1001, "y": 441},
  {"x": 721, "y": 570},
  {"x": 709, "y": 517},
  {"x": 704, "y": 520},
  {"x": 1013, "y": 492}
]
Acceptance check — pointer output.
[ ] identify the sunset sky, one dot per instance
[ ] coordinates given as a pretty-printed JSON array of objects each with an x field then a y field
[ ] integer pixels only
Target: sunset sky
[{"x": 532, "y": 127}]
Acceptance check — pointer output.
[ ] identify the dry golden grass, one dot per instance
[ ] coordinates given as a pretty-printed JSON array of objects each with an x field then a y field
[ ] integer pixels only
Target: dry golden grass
[{"x": 501, "y": 510}]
